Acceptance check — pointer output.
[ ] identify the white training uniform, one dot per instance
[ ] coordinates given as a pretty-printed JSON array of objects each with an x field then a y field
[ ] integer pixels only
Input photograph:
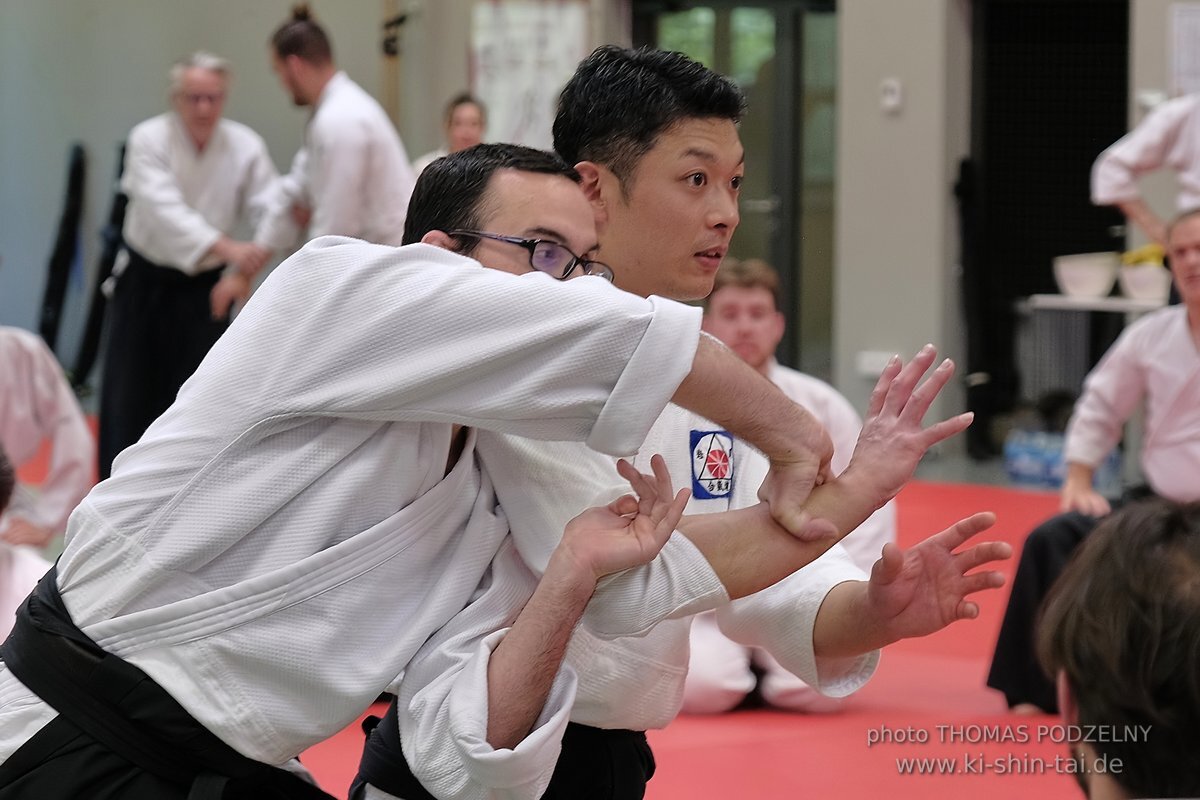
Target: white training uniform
[
  {"x": 352, "y": 172},
  {"x": 37, "y": 405},
  {"x": 1154, "y": 359},
  {"x": 634, "y": 683},
  {"x": 285, "y": 537},
  {"x": 1168, "y": 136},
  {"x": 181, "y": 201},
  {"x": 719, "y": 673}
]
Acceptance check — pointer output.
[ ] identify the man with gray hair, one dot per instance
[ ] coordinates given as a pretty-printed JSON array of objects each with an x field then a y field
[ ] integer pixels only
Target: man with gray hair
[{"x": 192, "y": 177}]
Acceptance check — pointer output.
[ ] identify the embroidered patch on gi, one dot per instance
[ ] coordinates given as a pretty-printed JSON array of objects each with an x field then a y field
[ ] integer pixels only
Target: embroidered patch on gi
[{"x": 712, "y": 464}]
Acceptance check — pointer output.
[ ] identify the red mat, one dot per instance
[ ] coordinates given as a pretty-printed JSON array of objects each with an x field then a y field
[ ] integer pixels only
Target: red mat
[{"x": 926, "y": 707}]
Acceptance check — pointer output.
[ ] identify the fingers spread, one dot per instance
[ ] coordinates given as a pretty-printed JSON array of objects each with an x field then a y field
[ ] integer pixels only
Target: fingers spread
[
  {"x": 879, "y": 393},
  {"x": 984, "y": 553},
  {"x": 922, "y": 397},
  {"x": 943, "y": 430},
  {"x": 964, "y": 529},
  {"x": 901, "y": 388}
]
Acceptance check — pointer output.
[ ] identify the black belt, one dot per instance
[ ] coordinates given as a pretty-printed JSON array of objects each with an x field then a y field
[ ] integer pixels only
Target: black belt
[
  {"x": 123, "y": 709},
  {"x": 158, "y": 274}
]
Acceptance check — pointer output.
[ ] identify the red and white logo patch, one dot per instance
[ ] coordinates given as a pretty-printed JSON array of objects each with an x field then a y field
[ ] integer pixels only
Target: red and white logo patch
[{"x": 712, "y": 464}]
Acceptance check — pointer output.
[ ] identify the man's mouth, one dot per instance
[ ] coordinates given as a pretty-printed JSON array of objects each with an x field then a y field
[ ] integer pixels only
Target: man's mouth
[{"x": 712, "y": 256}]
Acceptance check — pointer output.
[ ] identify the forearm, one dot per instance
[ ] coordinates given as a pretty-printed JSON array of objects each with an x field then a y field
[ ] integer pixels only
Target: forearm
[
  {"x": 521, "y": 669},
  {"x": 726, "y": 390},
  {"x": 1137, "y": 211},
  {"x": 749, "y": 551},
  {"x": 1079, "y": 476},
  {"x": 845, "y": 624}
]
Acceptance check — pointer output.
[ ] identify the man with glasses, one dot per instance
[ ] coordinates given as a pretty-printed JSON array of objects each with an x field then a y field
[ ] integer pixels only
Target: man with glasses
[
  {"x": 284, "y": 539},
  {"x": 191, "y": 177},
  {"x": 653, "y": 136}
]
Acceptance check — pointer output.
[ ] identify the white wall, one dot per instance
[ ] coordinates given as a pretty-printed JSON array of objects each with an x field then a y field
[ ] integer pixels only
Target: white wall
[
  {"x": 1148, "y": 64},
  {"x": 896, "y": 273}
]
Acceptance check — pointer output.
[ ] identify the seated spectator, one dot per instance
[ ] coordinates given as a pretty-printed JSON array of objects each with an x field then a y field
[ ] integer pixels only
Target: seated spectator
[
  {"x": 37, "y": 405},
  {"x": 743, "y": 312},
  {"x": 1157, "y": 359},
  {"x": 1118, "y": 634}
]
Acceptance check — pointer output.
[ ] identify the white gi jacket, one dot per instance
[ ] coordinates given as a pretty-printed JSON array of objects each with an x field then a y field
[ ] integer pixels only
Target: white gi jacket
[
  {"x": 285, "y": 537},
  {"x": 1168, "y": 136},
  {"x": 37, "y": 405},
  {"x": 629, "y": 682},
  {"x": 181, "y": 201},
  {"x": 352, "y": 172},
  {"x": 1154, "y": 358}
]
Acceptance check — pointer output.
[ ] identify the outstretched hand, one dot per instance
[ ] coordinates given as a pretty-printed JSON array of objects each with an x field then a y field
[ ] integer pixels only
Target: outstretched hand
[
  {"x": 632, "y": 529},
  {"x": 924, "y": 589},
  {"x": 892, "y": 440}
]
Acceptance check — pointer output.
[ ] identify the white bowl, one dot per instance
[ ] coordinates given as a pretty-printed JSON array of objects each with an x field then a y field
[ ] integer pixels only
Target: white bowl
[
  {"x": 1087, "y": 274},
  {"x": 1145, "y": 282}
]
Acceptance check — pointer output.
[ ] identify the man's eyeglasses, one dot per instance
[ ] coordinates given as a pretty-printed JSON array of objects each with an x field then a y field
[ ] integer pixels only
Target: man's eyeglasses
[
  {"x": 547, "y": 256},
  {"x": 196, "y": 98}
]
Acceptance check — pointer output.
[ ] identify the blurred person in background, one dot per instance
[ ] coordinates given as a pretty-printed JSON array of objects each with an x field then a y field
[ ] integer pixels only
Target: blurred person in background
[
  {"x": 352, "y": 176},
  {"x": 466, "y": 120},
  {"x": 192, "y": 177}
]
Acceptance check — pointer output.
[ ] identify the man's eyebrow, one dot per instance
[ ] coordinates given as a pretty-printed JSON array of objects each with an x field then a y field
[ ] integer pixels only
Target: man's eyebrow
[
  {"x": 550, "y": 233},
  {"x": 707, "y": 155},
  {"x": 539, "y": 232}
]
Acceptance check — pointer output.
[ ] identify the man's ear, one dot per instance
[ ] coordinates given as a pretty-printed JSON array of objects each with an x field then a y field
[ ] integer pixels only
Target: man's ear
[
  {"x": 593, "y": 176},
  {"x": 1066, "y": 699},
  {"x": 439, "y": 239}
]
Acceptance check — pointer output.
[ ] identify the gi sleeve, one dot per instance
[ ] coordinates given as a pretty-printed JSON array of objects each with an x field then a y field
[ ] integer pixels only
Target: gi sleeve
[
  {"x": 418, "y": 334},
  {"x": 443, "y": 700},
  {"x": 1159, "y": 140},
  {"x": 781, "y": 618}
]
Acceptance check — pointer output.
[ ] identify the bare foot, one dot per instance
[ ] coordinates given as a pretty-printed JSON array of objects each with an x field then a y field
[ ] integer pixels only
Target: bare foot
[{"x": 1027, "y": 710}]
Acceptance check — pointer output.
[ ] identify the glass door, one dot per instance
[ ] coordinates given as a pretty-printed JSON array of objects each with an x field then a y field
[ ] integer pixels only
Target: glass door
[{"x": 784, "y": 57}]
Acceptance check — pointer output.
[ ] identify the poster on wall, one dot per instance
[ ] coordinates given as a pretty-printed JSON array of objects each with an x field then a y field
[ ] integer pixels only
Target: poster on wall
[{"x": 522, "y": 52}]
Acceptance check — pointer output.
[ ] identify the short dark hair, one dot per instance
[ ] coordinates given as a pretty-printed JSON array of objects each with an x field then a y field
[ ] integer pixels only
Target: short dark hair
[
  {"x": 450, "y": 193},
  {"x": 619, "y": 101},
  {"x": 1122, "y": 623},
  {"x": 8, "y": 481},
  {"x": 751, "y": 273},
  {"x": 302, "y": 36}
]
